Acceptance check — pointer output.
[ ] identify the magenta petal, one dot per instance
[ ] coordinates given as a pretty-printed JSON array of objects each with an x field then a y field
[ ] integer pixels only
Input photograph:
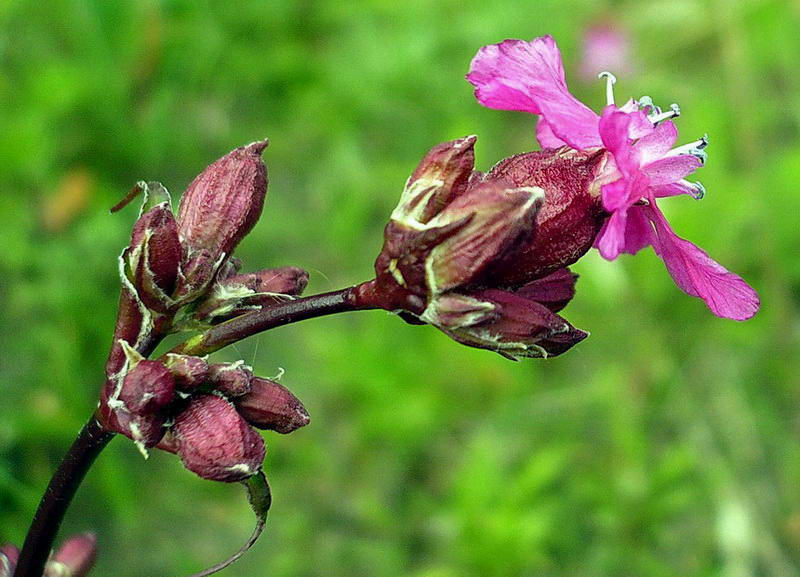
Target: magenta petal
[
  {"x": 529, "y": 76},
  {"x": 675, "y": 189},
  {"x": 658, "y": 142},
  {"x": 545, "y": 135},
  {"x": 669, "y": 169},
  {"x": 611, "y": 238},
  {"x": 695, "y": 273},
  {"x": 638, "y": 230}
]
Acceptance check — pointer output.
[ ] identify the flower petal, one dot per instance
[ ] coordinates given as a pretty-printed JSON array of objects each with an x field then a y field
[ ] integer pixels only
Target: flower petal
[
  {"x": 529, "y": 76},
  {"x": 638, "y": 230},
  {"x": 658, "y": 142},
  {"x": 545, "y": 135},
  {"x": 611, "y": 238},
  {"x": 669, "y": 169},
  {"x": 677, "y": 188},
  {"x": 695, "y": 273}
]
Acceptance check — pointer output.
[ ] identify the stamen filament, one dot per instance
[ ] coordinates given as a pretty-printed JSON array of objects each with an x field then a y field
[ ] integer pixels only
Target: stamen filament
[
  {"x": 673, "y": 112},
  {"x": 611, "y": 80}
]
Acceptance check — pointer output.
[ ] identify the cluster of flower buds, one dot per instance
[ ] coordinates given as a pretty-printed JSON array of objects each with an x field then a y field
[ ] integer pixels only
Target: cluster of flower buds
[
  {"x": 179, "y": 273},
  {"x": 173, "y": 263},
  {"x": 483, "y": 257},
  {"x": 205, "y": 412},
  {"x": 74, "y": 558}
]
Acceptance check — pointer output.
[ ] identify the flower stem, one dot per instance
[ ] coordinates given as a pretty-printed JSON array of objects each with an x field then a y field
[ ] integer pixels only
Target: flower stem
[
  {"x": 241, "y": 327},
  {"x": 87, "y": 446}
]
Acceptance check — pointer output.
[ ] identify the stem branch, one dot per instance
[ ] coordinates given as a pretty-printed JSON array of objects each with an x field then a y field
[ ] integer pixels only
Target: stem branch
[{"x": 236, "y": 329}]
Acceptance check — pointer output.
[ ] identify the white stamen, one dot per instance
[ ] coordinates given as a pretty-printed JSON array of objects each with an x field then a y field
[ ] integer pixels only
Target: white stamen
[
  {"x": 694, "y": 149},
  {"x": 673, "y": 112},
  {"x": 645, "y": 102},
  {"x": 611, "y": 80}
]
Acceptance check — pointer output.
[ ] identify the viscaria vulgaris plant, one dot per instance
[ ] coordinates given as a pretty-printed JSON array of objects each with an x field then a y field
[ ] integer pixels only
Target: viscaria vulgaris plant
[{"x": 481, "y": 256}]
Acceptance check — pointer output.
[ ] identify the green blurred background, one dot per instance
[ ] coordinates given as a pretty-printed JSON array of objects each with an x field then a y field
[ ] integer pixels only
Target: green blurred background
[{"x": 666, "y": 444}]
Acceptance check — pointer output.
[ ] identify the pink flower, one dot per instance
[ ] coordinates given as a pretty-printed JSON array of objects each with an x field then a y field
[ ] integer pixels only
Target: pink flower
[
  {"x": 605, "y": 46},
  {"x": 642, "y": 165}
]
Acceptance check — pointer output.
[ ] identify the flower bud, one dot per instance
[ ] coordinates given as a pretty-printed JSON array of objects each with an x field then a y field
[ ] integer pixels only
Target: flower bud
[
  {"x": 446, "y": 231},
  {"x": 230, "y": 379},
  {"x": 553, "y": 291},
  {"x": 240, "y": 293},
  {"x": 147, "y": 388},
  {"x": 215, "y": 442},
  {"x": 154, "y": 255},
  {"x": 75, "y": 558},
  {"x": 9, "y": 555},
  {"x": 568, "y": 221},
  {"x": 224, "y": 202},
  {"x": 133, "y": 403},
  {"x": 502, "y": 321},
  {"x": 270, "y": 405},
  {"x": 197, "y": 272},
  {"x": 189, "y": 372}
]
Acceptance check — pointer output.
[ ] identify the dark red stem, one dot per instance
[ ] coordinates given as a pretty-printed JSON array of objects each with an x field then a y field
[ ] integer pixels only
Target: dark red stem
[
  {"x": 236, "y": 329},
  {"x": 65, "y": 482}
]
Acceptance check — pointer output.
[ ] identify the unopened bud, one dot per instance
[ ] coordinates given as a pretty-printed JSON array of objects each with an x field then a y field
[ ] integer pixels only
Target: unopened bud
[
  {"x": 154, "y": 255},
  {"x": 224, "y": 202},
  {"x": 270, "y": 405},
  {"x": 553, "y": 291},
  {"x": 147, "y": 388},
  {"x": 216, "y": 443},
  {"x": 448, "y": 229},
  {"x": 197, "y": 272},
  {"x": 568, "y": 221},
  {"x": 189, "y": 372},
  {"x": 240, "y": 293},
  {"x": 75, "y": 558},
  {"x": 9, "y": 555},
  {"x": 440, "y": 177},
  {"x": 230, "y": 379},
  {"x": 514, "y": 326}
]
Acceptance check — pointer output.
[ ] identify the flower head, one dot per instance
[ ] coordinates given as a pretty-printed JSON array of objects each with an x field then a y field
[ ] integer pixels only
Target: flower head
[{"x": 641, "y": 166}]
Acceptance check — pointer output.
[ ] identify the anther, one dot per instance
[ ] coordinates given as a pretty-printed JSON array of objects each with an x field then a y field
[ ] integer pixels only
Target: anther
[
  {"x": 700, "y": 190},
  {"x": 694, "y": 148},
  {"x": 611, "y": 80}
]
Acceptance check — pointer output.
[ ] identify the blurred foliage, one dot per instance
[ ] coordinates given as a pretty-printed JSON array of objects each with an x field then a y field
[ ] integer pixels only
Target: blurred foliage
[{"x": 666, "y": 444}]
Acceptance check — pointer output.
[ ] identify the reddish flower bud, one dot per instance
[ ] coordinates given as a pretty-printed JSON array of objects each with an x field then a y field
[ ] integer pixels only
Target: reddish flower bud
[
  {"x": 224, "y": 202},
  {"x": 444, "y": 234},
  {"x": 238, "y": 294},
  {"x": 147, "y": 388},
  {"x": 270, "y": 405},
  {"x": 9, "y": 555},
  {"x": 569, "y": 220},
  {"x": 189, "y": 372},
  {"x": 154, "y": 255},
  {"x": 502, "y": 321},
  {"x": 133, "y": 403},
  {"x": 230, "y": 379},
  {"x": 75, "y": 558},
  {"x": 197, "y": 272},
  {"x": 553, "y": 291},
  {"x": 216, "y": 443}
]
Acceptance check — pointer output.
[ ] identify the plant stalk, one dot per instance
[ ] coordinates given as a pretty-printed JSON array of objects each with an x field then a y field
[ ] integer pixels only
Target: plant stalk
[
  {"x": 92, "y": 439},
  {"x": 241, "y": 327}
]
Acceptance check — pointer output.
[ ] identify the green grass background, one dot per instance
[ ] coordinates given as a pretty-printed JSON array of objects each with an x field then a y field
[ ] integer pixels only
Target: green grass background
[{"x": 666, "y": 444}]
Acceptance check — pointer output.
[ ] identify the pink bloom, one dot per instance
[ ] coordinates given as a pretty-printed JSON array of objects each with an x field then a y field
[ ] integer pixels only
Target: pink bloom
[
  {"x": 605, "y": 46},
  {"x": 642, "y": 166}
]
